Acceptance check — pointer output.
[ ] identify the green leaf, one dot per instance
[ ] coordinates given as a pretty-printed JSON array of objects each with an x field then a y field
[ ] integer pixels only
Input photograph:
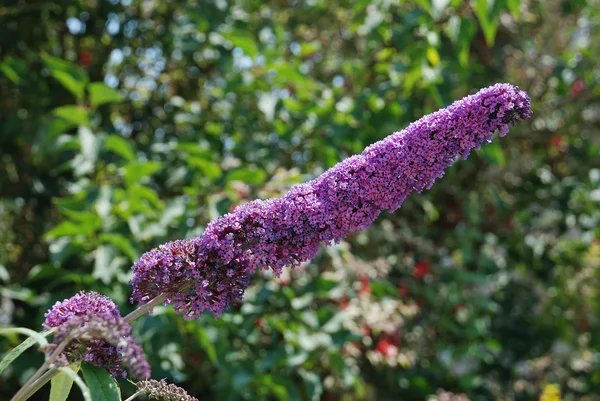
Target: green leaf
[
  {"x": 514, "y": 6},
  {"x": 123, "y": 243},
  {"x": 14, "y": 69},
  {"x": 438, "y": 7},
  {"x": 289, "y": 74},
  {"x": 174, "y": 210},
  {"x": 207, "y": 344},
  {"x": 209, "y": 168},
  {"x": 101, "y": 384},
  {"x": 493, "y": 152},
  {"x": 106, "y": 265},
  {"x": 461, "y": 30},
  {"x": 279, "y": 390},
  {"x": 141, "y": 196},
  {"x": 247, "y": 175},
  {"x": 85, "y": 162},
  {"x": 25, "y": 345},
  {"x": 243, "y": 40},
  {"x": 487, "y": 13},
  {"x": 312, "y": 385},
  {"x": 72, "y": 78},
  {"x": 61, "y": 384},
  {"x": 75, "y": 115},
  {"x": 119, "y": 145},
  {"x": 135, "y": 171},
  {"x": 66, "y": 229},
  {"x": 100, "y": 94}
]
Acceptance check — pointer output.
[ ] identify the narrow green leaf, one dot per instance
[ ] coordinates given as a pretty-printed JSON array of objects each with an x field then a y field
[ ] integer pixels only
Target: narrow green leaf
[
  {"x": 100, "y": 94},
  {"x": 101, "y": 384},
  {"x": 14, "y": 353},
  {"x": 207, "y": 344},
  {"x": 514, "y": 6},
  {"x": 61, "y": 384},
  {"x": 84, "y": 389},
  {"x": 14, "y": 69},
  {"x": 488, "y": 13},
  {"x": 38, "y": 337},
  {"x": 34, "y": 337}
]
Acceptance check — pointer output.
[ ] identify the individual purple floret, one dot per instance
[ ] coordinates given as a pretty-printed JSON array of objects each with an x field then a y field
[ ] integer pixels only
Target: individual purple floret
[
  {"x": 97, "y": 334},
  {"x": 212, "y": 271}
]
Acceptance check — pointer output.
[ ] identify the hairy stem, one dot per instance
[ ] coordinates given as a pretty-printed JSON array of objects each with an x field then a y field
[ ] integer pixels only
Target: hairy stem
[
  {"x": 38, "y": 384},
  {"x": 142, "y": 310},
  {"x": 25, "y": 391},
  {"x": 134, "y": 396}
]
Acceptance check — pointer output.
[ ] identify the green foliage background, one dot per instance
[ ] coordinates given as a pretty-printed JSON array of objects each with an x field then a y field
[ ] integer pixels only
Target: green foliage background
[{"x": 126, "y": 124}]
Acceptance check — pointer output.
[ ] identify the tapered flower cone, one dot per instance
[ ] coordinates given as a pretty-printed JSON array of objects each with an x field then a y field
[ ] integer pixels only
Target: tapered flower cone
[{"x": 212, "y": 271}]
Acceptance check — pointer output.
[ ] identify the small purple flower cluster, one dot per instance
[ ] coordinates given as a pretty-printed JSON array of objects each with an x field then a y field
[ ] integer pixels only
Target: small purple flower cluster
[
  {"x": 212, "y": 271},
  {"x": 84, "y": 304},
  {"x": 97, "y": 334}
]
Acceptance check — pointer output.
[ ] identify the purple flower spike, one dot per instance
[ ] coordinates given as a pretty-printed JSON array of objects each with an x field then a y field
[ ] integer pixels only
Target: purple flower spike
[
  {"x": 98, "y": 333},
  {"x": 212, "y": 271}
]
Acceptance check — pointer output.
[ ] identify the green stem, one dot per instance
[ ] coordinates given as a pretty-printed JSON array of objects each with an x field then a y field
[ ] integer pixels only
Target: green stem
[
  {"x": 38, "y": 384},
  {"x": 142, "y": 310},
  {"x": 133, "y": 397},
  {"x": 25, "y": 391}
]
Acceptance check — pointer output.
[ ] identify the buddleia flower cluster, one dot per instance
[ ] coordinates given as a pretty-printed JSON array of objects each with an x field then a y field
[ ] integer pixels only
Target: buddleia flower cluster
[
  {"x": 212, "y": 271},
  {"x": 161, "y": 390},
  {"x": 96, "y": 333}
]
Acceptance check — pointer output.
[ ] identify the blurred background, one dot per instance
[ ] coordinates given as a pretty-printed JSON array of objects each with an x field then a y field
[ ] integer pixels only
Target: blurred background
[{"x": 125, "y": 124}]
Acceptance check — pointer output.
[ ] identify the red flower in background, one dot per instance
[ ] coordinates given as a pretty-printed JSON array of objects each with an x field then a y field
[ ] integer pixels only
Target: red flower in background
[
  {"x": 85, "y": 58},
  {"x": 365, "y": 286},
  {"x": 403, "y": 291},
  {"x": 422, "y": 269},
  {"x": 344, "y": 302},
  {"x": 384, "y": 346},
  {"x": 577, "y": 87},
  {"x": 556, "y": 142}
]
